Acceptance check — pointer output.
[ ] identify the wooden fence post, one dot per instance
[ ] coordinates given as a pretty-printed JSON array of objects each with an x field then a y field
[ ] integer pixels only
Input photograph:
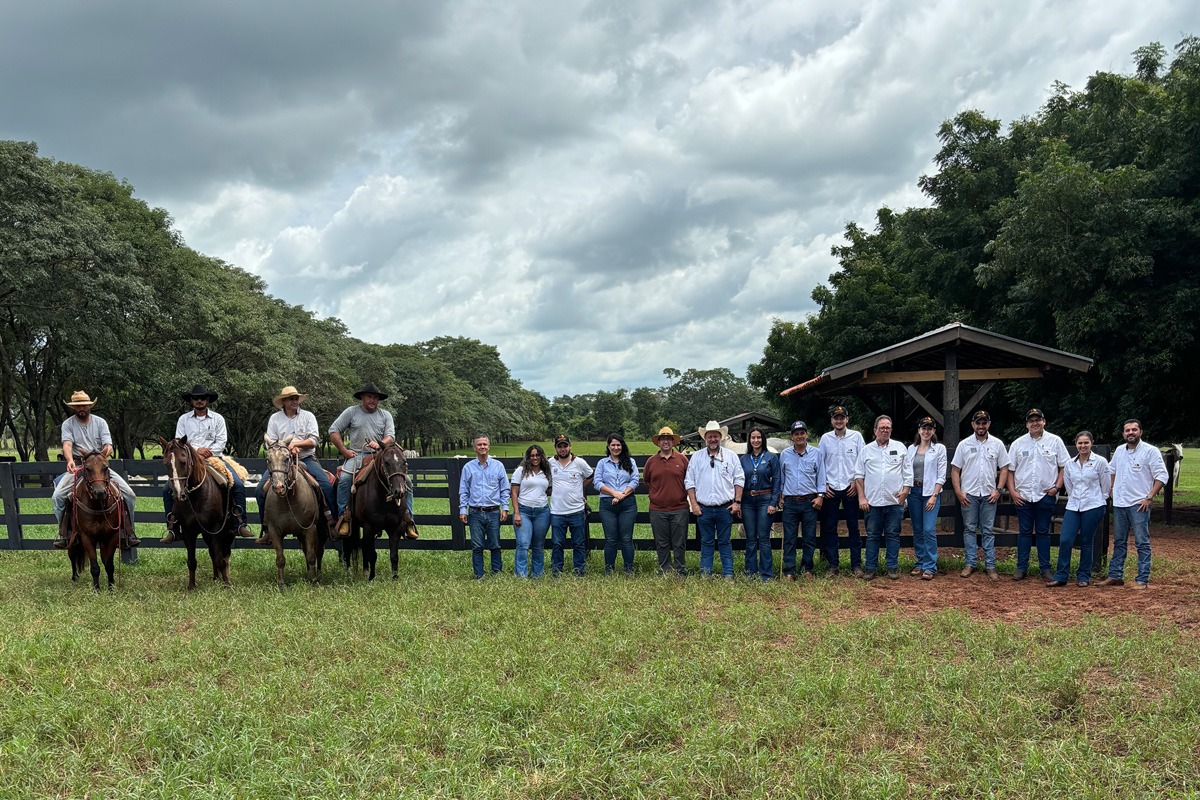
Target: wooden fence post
[{"x": 12, "y": 513}]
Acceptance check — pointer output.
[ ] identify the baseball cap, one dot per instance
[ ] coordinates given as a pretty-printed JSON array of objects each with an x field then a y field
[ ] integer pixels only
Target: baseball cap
[
  {"x": 1035, "y": 413},
  {"x": 562, "y": 438},
  {"x": 926, "y": 422},
  {"x": 838, "y": 411},
  {"x": 798, "y": 426},
  {"x": 981, "y": 416}
]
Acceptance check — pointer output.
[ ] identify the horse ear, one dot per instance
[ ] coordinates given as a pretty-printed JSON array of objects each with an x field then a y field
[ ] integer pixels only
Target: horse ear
[
  {"x": 162, "y": 442},
  {"x": 288, "y": 440},
  {"x": 267, "y": 439},
  {"x": 183, "y": 439}
]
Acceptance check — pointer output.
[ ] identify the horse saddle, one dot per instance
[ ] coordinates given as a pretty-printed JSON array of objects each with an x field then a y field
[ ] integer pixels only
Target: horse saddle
[
  {"x": 364, "y": 472},
  {"x": 219, "y": 473}
]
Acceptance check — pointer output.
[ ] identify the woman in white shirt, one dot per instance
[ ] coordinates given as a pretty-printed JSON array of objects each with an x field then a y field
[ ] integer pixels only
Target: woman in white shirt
[
  {"x": 1088, "y": 482},
  {"x": 530, "y": 488},
  {"x": 928, "y": 458}
]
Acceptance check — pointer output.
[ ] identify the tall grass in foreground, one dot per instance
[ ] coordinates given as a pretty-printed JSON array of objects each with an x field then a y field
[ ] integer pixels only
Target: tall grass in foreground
[{"x": 439, "y": 686}]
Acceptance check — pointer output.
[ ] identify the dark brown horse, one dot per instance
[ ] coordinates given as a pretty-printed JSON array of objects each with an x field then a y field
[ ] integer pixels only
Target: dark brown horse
[
  {"x": 98, "y": 511},
  {"x": 293, "y": 505},
  {"x": 202, "y": 507},
  {"x": 381, "y": 504}
]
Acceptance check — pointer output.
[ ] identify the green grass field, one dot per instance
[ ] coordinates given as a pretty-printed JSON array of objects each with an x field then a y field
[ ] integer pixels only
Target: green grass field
[{"x": 437, "y": 686}]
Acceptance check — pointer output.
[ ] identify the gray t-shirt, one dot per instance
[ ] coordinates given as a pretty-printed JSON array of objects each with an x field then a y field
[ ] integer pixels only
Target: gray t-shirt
[
  {"x": 89, "y": 438},
  {"x": 357, "y": 427}
]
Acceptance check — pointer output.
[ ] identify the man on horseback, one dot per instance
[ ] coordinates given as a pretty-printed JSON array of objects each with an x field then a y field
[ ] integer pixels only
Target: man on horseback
[
  {"x": 301, "y": 425},
  {"x": 83, "y": 433},
  {"x": 367, "y": 427},
  {"x": 205, "y": 430}
]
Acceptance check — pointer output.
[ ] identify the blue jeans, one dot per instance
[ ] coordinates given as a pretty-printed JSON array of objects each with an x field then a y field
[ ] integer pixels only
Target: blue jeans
[
  {"x": 578, "y": 524},
  {"x": 1033, "y": 519},
  {"x": 531, "y": 534},
  {"x": 1124, "y": 519},
  {"x": 346, "y": 480},
  {"x": 485, "y": 533},
  {"x": 238, "y": 491},
  {"x": 924, "y": 527},
  {"x": 829, "y": 524},
  {"x": 315, "y": 469},
  {"x": 979, "y": 517},
  {"x": 715, "y": 524},
  {"x": 617, "y": 520},
  {"x": 759, "y": 559},
  {"x": 883, "y": 522},
  {"x": 1078, "y": 526},
  {"x": 799, "y": 515}
]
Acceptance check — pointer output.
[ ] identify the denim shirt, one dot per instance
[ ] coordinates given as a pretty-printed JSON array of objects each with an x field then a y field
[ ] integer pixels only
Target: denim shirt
[
  {"x": 764, "y": 475},
  {"x": 609, "y": 474}
]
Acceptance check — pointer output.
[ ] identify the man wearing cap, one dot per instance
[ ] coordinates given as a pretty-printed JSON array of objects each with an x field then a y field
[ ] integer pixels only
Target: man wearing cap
[
  {"x": 1139, "y": 473},
  {"x": 291, "y": 420},
  {"x": 664, "y": 475},
  {"x": 839, "y": 450},
  {"x": 802, "y": 472},
  {"x": 978, "y": 471},
  {"x": 714, "y": 482},
  {"x": 1034, "y": 483},
  {"x": 205, "y": 430},
  {"x": 483, "y": 505},
  {"x": 884, "y": 475},
  {"x": 359, "y": 430},
  {"x": 570, "y": 475},
  {"x": 84, "y": 434}
]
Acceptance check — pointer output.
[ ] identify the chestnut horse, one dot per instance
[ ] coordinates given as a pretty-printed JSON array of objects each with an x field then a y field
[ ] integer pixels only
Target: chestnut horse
[
  {"x": 98, "y": 511},
  {"x": 381, "y": 504},
  {"x": 202, "y": 508},
  {"x": 293, "y": 505}
]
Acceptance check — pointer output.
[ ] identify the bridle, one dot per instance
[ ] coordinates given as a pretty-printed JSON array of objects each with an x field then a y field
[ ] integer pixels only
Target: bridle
[
  {"x": 289, "y": 472},
  {"x": 385, "y": 481},
  {"x": 189, "y": 469}
]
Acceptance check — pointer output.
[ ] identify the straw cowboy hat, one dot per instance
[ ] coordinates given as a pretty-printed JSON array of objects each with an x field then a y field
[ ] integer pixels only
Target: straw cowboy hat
[
  {"x": 665, "y": 431},
  {"x": 713, "y": 426},
  {"x": 286, "y": 392},
  {"x": 79, "y": 400}
]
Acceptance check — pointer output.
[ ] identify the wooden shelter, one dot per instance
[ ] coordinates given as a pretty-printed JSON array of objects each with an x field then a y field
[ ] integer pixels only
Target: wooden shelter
[
  {"x": 739, "y": 428},
  {"x": 952, "y": 355}
]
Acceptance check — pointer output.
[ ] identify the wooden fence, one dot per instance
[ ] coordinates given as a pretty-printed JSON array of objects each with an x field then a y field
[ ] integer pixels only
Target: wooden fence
[{"x": 432, "y": 478}]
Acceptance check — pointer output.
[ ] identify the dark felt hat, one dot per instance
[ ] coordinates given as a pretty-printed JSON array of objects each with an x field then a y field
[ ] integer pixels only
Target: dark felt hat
[
  {"x": 370, "y": 388},
  {"x": 199, "y": 391}
]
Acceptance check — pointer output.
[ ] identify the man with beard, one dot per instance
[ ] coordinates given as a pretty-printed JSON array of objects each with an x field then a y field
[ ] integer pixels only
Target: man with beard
[
  {"x": 978, "y": 471},
  {"x": 569, "y": 478},
  {"x": 359, "y": 430},
  {"x": 714, "y": 482},
  {"x": 1036, "y": 480},
  {"x": 1138, "y": 473},
  {"x": 664, "y": 475}
]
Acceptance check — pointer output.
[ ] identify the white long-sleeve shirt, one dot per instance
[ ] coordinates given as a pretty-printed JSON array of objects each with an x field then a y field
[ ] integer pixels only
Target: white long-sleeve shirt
[
  {"x": 1087, "y": 484},
  {"x": 207, "y": 431},
  {"x": 840, "y": 454},
  {"x": 935, "y": 467},
  {"x": 714, "y": 476}
]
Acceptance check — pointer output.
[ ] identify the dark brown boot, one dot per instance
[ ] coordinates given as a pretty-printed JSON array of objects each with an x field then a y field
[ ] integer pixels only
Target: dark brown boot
[
  {"x": 263, "y": 537},
  {"x": 64, "y": 530}
]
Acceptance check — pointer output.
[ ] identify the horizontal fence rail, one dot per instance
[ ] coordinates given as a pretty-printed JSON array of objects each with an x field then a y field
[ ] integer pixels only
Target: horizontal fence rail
[{"x": 431, "y": 478}]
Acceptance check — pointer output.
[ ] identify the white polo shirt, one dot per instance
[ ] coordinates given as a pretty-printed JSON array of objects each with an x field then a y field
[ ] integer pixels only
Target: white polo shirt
[
  {"x": 567, "y": 495},
  {"x": 979, "y": 464},
  {"x": 1134, "y": 473},
  {"x": 1035, "y": 464}
]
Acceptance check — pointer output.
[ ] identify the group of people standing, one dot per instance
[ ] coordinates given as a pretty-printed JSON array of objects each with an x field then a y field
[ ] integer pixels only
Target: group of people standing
[
  {"x": 843, "y": 476},
  {"x": 811, "y": 486}
]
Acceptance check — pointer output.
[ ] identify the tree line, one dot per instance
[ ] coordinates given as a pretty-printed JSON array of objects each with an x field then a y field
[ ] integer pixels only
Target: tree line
[{"x": 1077, "y": 228}]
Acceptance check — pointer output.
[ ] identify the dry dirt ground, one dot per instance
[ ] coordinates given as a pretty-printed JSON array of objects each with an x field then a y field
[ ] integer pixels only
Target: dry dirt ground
[{"x": 1172, "y": 599}]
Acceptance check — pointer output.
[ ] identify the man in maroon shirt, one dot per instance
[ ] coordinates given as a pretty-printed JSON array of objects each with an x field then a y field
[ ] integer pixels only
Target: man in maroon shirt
[{"x": 663, "y": 476}]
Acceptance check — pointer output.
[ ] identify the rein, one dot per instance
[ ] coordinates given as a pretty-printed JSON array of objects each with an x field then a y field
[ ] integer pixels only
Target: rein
[
  {"x": 289, "y": 485},
  {"x": 193, "y": 466},
  {"x": 76, "y": 506},
  {"x": 383, "y": 482}
]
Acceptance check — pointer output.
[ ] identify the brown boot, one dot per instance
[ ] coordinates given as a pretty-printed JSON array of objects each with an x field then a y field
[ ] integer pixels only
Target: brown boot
[
  {"x": 64, "y": 531},
  {"x": 410, "y": 532},
  {"x": 263, "y": 537},
  {"x": 342, "y": 529},
  {"x": 243, "y": 531}
]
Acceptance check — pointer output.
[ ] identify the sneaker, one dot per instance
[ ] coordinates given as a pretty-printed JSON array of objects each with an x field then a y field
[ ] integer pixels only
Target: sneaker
[
  {"x": 966, "y": 571},
  {"x": 1083, "y": 584}
]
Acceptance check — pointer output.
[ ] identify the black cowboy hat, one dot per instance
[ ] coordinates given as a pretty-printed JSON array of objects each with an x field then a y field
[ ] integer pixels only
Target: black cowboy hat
[
  {"x": 200, "y": 391},
  {"x": 370, "y": 388}
]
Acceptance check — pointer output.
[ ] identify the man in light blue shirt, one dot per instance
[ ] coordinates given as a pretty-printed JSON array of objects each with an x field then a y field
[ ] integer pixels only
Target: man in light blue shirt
[
  {"x": 803, "y": 473},
  {"x": 483, "y": 505}
]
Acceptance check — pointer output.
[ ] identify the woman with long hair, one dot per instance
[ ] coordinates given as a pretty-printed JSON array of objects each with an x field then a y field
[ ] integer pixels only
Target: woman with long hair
[
  {"x": 530, "y": 488},
  {"x": 928, "y": 458},
  {"x": 759, "y": 502},
  {"x": 616, "y": 478},
  {"x": 1088, "y": 483}
]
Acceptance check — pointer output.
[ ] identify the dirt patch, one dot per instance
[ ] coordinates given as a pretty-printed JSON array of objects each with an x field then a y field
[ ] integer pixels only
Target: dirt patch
[{"x": 1173, "y": 596}]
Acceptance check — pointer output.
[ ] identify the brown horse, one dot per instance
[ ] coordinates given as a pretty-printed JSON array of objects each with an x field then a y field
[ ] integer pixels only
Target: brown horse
[
  {"x": 293, "y": 506},
  {"x": 381, "y": 504},
  {"x": 202, "y": 507},
  {"x": 98, "y": 510}
]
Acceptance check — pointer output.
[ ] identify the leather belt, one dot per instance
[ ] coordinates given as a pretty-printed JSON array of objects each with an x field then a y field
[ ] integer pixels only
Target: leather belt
[
  {"x": 799, "y": 498},
  {"x": 718, "y": 505},
  {"x": 759, "y": 492},
  {"x": 483, "y": 508}
]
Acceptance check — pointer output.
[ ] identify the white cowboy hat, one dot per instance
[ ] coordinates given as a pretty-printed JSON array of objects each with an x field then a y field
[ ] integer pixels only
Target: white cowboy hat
[
  {"x": 80, "y": 399},
  {"x": 285, "y": 392},
  {"x": 713, "y": 426}
]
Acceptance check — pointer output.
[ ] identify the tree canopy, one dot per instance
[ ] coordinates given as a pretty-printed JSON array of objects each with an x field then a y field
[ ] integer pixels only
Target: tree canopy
[{"x": 1078, "y": 228}]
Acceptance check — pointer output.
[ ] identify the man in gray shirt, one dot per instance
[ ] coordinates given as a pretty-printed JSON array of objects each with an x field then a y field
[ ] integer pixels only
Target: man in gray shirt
[
  {"x": 84, "y": 434},
  {"x": 357, "y": 431}
]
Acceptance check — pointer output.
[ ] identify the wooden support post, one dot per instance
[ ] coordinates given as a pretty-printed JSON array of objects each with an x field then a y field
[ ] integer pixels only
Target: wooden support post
[
  {"x": 950, "y": 404},
  {"x": 921, "y": 401},
  {"x": 12, "y": 512}
]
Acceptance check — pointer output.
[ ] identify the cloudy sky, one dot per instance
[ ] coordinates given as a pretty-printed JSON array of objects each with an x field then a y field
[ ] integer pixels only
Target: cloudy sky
[{"x": 599, "y": 188}]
